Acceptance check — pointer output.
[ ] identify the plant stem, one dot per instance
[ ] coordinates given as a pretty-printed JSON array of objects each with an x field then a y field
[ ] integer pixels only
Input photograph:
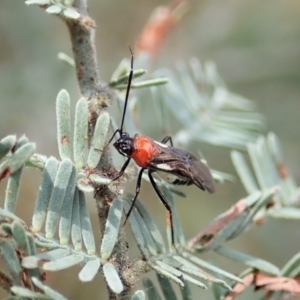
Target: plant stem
[{"x": 82, "y": 33}]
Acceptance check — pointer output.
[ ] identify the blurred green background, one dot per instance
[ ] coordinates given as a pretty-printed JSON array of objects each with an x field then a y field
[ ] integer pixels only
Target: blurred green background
[{"x": 256, "y": 47}]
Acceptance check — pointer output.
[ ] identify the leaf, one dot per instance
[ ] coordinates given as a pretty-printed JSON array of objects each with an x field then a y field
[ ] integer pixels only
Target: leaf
[
  {"x": 20, "y": 237},
  {"x": 166, "y": 287},
  {"x": 111, "y": 230},
  {"x": 17, "y": 160},
  {"x": 189, "y": 86},
  {"x": 121, "y": 70},
  {"x": 257, "y": 163},
  {"x": 85, "y": 185},
  {"x": 63, "y": 115},
  {"x": 222, "y": 136},
  {"x": 86, "y": 226},
  {"x": 45, "y": 190},
  {"x": 6, "y": 214},
  {"x": 57, "y": 196},
  {"x": 207, "y": 236},
  {"x": 54, "y": 9},
  {"x": 98, "y": 139},
  {"x": 246, "y": 120},
  {"x": 150, "y": 289},
  {"x": 248, "y": 260},
  {"x": 166, "y": 273},
  {"x": 149, "y": 242},
  {"x": 37, "y": 2},
  {"x": 37, "y": 161},
  {"x": 112, "y": 278},
  {"x": 81, "y": 133},
  {"x": 5, "y": 282},
  {"x": 283, "y": 284},
  {"x": 268, "y": 283},
  {"x": 230, "y": 100},
  {"x": 95, "y": 178},
  {"x": 43, "y": 243},
  {"x": 6, "y": 144},
  {"x": 136, "y": 231},
  {"x": 274, "y": 147},
  {"x": 222, "y": 176},
  {"x": 139, "y": 295},
  {"x": 90, "y": 270},
  {"x": 12, "y": 191},
  {"x": 210, "y": 267},
  {"x": 11, "y": 260},
  {"x": 35, "y": 272},
  {"x": 192, "y": 269},
  {"x": 209, "y": 113},
  {"x": 218, "y": 291},
  {"x": 291, "y": 266},
  {"x": 76, "y": 226},
  {"x": 24, "y": 292},
  {"x": 47, "y": 290},
  {"x": 63, "y": 263},
  {"x": 290, "y": 213},
  {"x": 169, "y": 268},
  {"x": 68, "y": 3},
  {"x": 239, "y": 288},
  {"x": 71, "y": 13},
  {"x": 271, "y": 173},
  {"x": 124, "y": 78},
  {"x": 31, "y": 262},
  {"x": 244, "y": 172},
  {"x": 265, "y": 198},
  {"x": 154, "y": 231},
  {"x": 143, "y": 84},
  {"x": 66, "y": 210},
  {"x": 31, "y": 244},
  {"x": 213, "y": 241},
  {"x": 194, "y": 281},
  {"x": 186, "y": 292},
  {"x": 69, "y": 60},
  {"x": 160, "y": 108}
]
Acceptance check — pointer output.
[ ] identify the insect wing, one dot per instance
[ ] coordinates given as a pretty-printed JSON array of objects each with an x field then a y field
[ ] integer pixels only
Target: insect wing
[
  {"x": 201, "y": 175},
  {"x": 185, "y": 168}
]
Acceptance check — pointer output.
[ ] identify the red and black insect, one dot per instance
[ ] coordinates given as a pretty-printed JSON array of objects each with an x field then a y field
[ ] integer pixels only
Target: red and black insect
[{"x": 158, "y": 156}]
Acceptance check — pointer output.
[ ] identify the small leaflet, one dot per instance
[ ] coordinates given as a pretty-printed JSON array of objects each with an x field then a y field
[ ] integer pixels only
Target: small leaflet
[
  {"x": 90, "y": 270},
  {"x": 112, "y": 278}
]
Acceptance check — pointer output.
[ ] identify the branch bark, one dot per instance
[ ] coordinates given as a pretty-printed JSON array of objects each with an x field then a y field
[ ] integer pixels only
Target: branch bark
[
  {"x": 82, "y": 33},
  {"x": 82, "y": 37}
]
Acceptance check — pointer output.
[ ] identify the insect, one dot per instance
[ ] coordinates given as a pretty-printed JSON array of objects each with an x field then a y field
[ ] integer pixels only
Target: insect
[{"x": 158, "y": 156}]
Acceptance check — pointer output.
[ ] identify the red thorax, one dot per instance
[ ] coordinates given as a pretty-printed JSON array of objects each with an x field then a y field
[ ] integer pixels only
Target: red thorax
[{"x": 143, "y": 150}]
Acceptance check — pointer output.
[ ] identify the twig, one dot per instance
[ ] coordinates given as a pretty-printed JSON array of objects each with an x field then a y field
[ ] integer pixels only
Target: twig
[{"x": 82, "y": 33}]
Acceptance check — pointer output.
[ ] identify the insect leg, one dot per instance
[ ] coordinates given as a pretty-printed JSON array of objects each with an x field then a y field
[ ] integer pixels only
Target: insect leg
[
  {"x": 137, "y": 191},
  {"x": 119, "y": 175},
  {"x": 166, "y": 139},
  {"x": 122, "y": 169},
  {"x": 117, "y": 131},
  {"x": 165, "y": 203},
  {"x": 105, "y": 147}
]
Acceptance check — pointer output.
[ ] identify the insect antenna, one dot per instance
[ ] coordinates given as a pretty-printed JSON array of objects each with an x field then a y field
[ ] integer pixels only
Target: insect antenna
[
  {"x": 120, "y": 130},
  {"x": 127, "y": 91}
]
